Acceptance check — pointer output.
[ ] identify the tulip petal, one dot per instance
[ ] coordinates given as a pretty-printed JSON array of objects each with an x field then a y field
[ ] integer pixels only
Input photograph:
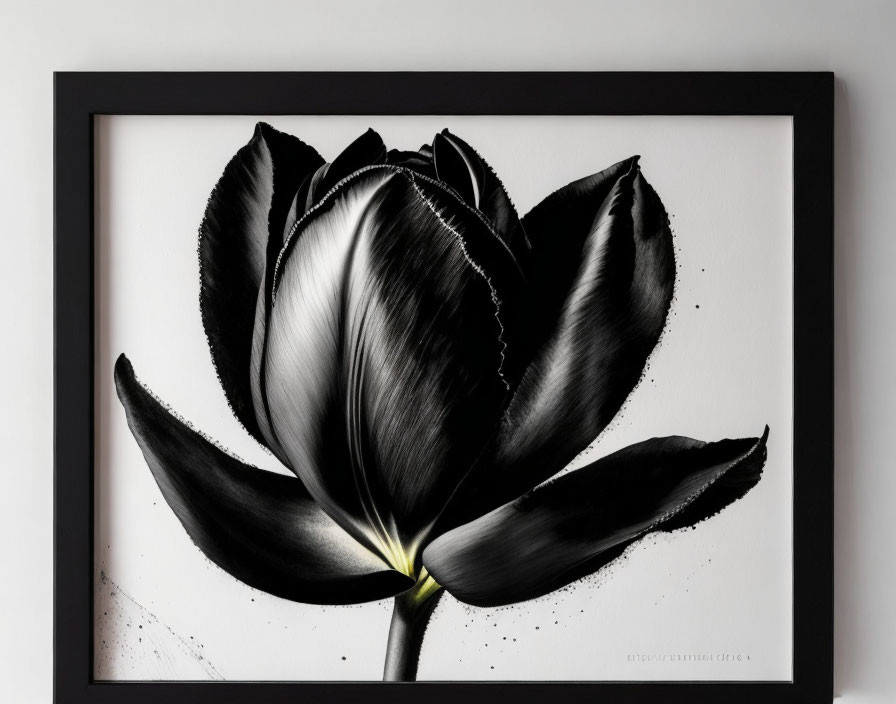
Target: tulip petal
[
  {"x": 493, "y": 256},
  {"x": 461, "y": 166},
  {"x": 419, "y": 161},
  {"x": 384, "y": 355},
  {"x": 454, "y": 170},
  {"x": 573, "y": 526},
  {"x": 257, "y": 367},
  {"x": 608, "y": 239},
  {"x": 559, "y": 228},
  {"x": 261, "y": 527},
  {"x": 248, "y": 207},
  {"x": 366, "y": 150}
]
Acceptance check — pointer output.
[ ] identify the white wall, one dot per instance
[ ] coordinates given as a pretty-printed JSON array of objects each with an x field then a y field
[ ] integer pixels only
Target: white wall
[{"x": 852, "y": 38}]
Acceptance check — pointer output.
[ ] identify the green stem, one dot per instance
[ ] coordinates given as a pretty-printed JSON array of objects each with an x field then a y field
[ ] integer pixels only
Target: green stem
[{"x": 410, "y": 617}]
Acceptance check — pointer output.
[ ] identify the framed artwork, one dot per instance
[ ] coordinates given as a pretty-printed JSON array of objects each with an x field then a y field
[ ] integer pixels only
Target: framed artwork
[{"x": 443, "y": 385}]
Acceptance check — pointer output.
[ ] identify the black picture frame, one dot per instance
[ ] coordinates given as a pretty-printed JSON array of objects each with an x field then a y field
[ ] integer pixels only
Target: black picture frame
[{"x": 807, "y": 97}]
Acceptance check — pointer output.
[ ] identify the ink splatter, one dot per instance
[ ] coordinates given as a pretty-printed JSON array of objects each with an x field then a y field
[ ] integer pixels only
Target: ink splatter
[{"x": 130, "y": 642}]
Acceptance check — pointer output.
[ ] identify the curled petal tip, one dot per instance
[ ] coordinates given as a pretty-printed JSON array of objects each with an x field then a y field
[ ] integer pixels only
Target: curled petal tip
[
  {"x": 123, "y": 365},
  {"x": 372, "y": 134},
  {"x": 264, "y": 130}
]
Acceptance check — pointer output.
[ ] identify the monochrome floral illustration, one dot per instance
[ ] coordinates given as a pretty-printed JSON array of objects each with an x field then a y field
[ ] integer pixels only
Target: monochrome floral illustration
[{"x": 426, "y": 363}]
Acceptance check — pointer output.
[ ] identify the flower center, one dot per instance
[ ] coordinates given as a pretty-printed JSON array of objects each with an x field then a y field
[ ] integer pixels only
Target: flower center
[{"x": 398, "y": 556}]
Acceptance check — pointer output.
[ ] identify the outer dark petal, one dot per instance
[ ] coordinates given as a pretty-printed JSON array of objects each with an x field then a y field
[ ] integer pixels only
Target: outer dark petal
[
  {"x": 250, "y": 201},
  {"x": 603, "y": 332},
  {"x": 558, "y": 229},
  {"x": 460, "y": 166},
  {"x": 575, "y": 525},
  {"x": 384, "y": 355},
  {"x": 261, "y": 527}
]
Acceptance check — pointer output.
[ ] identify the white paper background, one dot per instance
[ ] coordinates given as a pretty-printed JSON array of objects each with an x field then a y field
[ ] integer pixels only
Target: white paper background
[{"x": 714, "y": 603}]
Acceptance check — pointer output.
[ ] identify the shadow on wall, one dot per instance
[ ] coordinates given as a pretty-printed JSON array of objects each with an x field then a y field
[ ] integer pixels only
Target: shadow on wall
[{"x": 849, "y": 648}]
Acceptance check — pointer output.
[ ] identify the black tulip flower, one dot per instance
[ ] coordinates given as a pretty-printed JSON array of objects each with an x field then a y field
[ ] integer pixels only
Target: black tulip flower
[{"x": 423, "y": 360}]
